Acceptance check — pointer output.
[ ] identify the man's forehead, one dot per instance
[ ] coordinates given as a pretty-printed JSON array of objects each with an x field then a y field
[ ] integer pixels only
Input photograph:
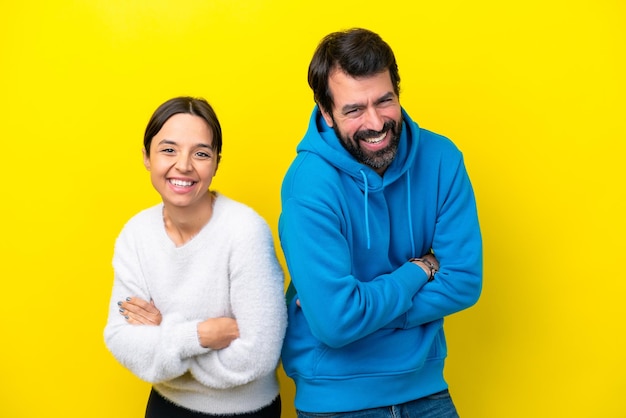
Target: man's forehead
[{"x": 345, "y": 88}]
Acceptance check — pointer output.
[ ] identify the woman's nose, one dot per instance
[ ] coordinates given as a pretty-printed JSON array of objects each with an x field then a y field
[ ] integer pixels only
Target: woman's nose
[{"x": 183, "y": 164}]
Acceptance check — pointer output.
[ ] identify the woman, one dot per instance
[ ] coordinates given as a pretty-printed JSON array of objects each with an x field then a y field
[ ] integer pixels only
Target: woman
[{"x": 197, "y": 306}]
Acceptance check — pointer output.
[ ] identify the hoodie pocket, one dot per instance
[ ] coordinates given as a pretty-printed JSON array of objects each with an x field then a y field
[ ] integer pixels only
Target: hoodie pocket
[{"x": 386, "y": 352}]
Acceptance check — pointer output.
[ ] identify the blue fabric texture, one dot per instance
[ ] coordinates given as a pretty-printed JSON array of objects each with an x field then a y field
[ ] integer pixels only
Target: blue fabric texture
[{"x": 369, "y": 329}]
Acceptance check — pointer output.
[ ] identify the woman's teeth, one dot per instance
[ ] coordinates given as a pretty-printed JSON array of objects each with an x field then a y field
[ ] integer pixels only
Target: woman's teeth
[{"x": 181, "y": 183}]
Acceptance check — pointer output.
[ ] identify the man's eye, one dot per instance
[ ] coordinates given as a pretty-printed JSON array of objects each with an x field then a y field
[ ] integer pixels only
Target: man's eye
[
  {"x": 202, "y": 155},
  {"x": 167, "y": 150}
]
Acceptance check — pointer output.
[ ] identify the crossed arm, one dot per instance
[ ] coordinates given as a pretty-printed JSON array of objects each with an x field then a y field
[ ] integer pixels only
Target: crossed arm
[{"x": 214, "y": 333}]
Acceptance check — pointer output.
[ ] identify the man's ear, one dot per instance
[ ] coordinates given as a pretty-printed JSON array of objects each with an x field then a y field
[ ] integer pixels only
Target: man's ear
[
  {"x": 146, "y": 159},
  {"x": 327, "y": 117}
]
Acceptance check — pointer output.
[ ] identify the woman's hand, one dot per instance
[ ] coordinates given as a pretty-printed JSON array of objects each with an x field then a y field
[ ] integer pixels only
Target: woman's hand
[
  {"x": 217, "y": 333},
  {"x": 139, "y": 312}
]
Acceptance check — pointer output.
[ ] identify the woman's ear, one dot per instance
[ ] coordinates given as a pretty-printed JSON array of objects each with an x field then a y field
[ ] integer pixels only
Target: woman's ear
[{"x": 146, "y": 159}]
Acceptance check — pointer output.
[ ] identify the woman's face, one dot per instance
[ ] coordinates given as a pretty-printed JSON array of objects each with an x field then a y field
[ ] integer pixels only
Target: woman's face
[{"x": 182, "y": 162}]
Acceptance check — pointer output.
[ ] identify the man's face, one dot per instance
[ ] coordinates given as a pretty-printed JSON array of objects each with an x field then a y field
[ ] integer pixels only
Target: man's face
[{"x": 366, "y": 117}]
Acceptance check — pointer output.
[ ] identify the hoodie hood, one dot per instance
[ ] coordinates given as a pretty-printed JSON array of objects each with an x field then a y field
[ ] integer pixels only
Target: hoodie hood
[{"x": 321, "y": 140}]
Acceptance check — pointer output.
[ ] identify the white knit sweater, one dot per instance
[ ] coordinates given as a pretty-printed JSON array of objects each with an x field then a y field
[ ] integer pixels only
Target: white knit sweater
[{"x": 228, "y": 269}]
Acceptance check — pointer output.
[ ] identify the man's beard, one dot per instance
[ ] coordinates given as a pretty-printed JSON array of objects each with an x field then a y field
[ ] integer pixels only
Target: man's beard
[{"x": 376, "y": 160}]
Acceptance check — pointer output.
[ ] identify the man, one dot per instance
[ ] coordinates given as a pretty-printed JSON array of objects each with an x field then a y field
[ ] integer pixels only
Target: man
[{"x": 381, "y": 238}]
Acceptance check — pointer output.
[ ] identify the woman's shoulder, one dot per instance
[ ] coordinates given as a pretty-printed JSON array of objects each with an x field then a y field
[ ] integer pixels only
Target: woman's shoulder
[
  {"x": 228, "y": 205},
  {"x": 237, "y": 214},
  {"x": 146, "y": 219}
]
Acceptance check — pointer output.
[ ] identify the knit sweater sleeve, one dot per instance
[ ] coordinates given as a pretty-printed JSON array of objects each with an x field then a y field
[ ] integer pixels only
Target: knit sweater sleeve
[
  {"x": 257, "y": 303},
  {"x": 153, "y": 353}
]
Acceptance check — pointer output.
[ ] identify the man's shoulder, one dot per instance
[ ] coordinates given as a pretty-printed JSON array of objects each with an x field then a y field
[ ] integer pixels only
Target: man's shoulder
[
  {"x": 310, "y": 171},
  {"x": 310, "y": 162},
  {"x": 435, "y": 139},
  {"x": 434, "y": 146}
]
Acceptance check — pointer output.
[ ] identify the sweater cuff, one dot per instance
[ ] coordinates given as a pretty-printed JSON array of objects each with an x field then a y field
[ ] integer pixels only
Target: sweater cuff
[{"x": 184, "y": 336}]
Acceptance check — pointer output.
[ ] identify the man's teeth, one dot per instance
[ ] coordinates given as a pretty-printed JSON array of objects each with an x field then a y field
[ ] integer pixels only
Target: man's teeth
[
  {"x": 376, "y": 140},
  {"x": 181, "y": 183}
]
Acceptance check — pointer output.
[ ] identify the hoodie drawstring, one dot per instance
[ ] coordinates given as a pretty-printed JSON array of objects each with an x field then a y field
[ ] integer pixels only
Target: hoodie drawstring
[
  {"x": 367, "y": 219},
  {"x": 409, "y": 211}
]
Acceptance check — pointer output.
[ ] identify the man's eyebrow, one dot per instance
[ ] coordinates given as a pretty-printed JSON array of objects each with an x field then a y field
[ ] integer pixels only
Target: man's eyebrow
[
  {"x": 352, "y": 106},
  {"x": 387, "y": 96}
]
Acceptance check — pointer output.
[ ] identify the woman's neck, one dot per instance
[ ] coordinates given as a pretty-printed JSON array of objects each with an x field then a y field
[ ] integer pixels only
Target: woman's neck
[{"x": 184, "y": 223}]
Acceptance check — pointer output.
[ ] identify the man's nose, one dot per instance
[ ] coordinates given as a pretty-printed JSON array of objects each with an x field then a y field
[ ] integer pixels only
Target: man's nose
[{"x": 373, "y": 120}]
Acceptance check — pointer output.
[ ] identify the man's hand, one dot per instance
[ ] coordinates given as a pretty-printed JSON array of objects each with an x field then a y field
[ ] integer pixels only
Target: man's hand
[
  {"x": 429, "y": 263},
  {"x": 139, "y": 312},
  {"x": 431, "y": 257},
  {"x": 217, "y": 333}
]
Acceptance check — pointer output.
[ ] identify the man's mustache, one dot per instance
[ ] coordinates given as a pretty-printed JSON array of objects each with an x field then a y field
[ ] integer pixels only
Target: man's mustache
[{"x": 369, "y": 133}]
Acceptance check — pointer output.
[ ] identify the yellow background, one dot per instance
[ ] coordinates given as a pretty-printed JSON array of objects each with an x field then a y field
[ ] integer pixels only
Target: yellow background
[{"x": 532, "y": 92}]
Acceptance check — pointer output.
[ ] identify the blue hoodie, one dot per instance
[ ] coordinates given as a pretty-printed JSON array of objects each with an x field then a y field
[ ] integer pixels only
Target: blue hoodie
[{"x": 369, "y": 331}]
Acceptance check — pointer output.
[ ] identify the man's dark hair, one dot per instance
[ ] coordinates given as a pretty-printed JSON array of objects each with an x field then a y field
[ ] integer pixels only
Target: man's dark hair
[{"x": 358, "y": 53}]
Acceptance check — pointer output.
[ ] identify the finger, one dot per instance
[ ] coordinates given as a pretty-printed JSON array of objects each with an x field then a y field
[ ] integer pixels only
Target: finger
[
  {"x": 152, "y": 313},
  {"x": 129, "y": 303},
  {"x": 127, "y": 316},
  {"x": 140, "y": 311},
  {"x": 136, "y": 315},
  {"x": 139, "y": 306},
  {"x": 130, "y": 306},
  {"x": 151, "y": 307},
  {"x": 150, "y": 319},
  {"x": 140, "y": 303},
  {"x": 143, "y": 317},
  {"x": 123, "y": 308},
  {"x": 135, "y": 319},
  {"x": 145, "y": 308}
]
